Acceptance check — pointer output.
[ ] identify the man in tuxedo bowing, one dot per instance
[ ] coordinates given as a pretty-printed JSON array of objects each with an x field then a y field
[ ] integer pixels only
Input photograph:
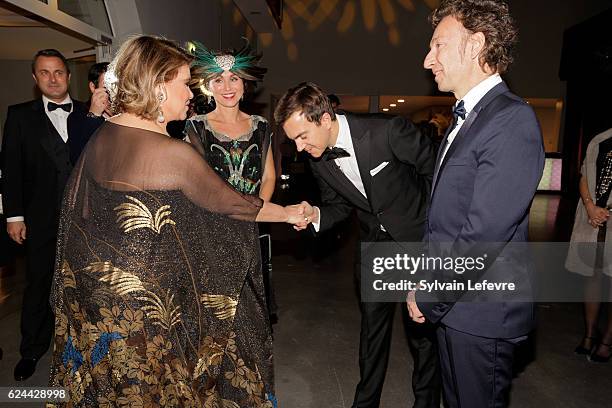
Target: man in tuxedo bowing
[
  {"x": 488, "y": 168},
  {"x": 382, "y": 167},
  {"x": 36, "y": 166}
]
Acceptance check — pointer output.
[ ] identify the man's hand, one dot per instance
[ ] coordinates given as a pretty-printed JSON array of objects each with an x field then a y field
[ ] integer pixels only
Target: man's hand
[
  {"x": 309, "y": 214},
  {"x": 17, "y": 231},
  {"x": 295, "y": 214},
  {"x": 99, "y": 102},
  {"x": 413, "y": 309}
]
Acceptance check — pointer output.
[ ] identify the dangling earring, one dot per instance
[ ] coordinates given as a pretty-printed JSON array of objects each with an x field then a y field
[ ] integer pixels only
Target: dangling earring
[{"x": 160, "y": 114}]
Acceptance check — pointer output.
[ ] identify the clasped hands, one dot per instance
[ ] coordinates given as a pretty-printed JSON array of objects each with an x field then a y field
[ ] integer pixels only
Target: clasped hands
[
  {"x": 300, "y": 215},
  {"x": 597, "y": 216}
]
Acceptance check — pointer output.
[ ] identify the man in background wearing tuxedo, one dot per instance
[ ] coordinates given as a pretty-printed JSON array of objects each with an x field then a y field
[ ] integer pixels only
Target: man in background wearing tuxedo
[
  {"x": 81, "y": 125},
  {"x": 36, "y": 166},
  {"x": 382, "y": 167}
]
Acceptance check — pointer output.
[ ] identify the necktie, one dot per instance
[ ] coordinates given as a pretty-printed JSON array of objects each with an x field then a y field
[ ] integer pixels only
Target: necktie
[
  {"x": 64, "y": 106},
  {"x": 335, "y": 153}
]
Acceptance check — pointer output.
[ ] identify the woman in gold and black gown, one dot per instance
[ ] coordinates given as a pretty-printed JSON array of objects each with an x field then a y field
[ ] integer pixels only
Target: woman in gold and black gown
[{"x": 156, "y": 304}]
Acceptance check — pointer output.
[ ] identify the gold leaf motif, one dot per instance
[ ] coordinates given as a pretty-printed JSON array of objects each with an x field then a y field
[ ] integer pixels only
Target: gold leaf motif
[
  {"x": 164, "y": 313},
  {"x": 213, "y": 400},
  {"x": 135, "y": 215},
  {"x": 123, "y": 282},
  {"x": 225, "y": 306},
  {"x": 69, "y": 279},
  {"x": 211, "y": 354}
]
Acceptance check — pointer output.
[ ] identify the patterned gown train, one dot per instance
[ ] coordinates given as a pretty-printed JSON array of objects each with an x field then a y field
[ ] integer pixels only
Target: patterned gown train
[{"x": 158, "y": 293}]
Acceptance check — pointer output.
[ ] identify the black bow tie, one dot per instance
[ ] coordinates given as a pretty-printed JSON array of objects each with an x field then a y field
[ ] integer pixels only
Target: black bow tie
[
  {"x": 459, "y": 111},
  {"x": 335, "y": 153},
  {"x": 53, "y": 106}
]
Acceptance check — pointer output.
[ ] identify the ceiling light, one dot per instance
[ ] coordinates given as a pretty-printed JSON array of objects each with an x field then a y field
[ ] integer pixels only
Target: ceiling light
[
  {"x": 392, "y": 105},
  {"x": 400, "y": 100},
  {"x": 385, "y": 109}
]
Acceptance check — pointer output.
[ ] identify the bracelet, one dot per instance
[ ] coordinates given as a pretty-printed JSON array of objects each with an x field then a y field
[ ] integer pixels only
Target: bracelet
[
  {"x": 90, "y": 114},
  {"x": 586, "y": 200}
]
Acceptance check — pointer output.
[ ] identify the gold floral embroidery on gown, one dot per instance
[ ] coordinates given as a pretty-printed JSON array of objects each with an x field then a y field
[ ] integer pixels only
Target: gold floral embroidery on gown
[{"x": 156, "y": 304}]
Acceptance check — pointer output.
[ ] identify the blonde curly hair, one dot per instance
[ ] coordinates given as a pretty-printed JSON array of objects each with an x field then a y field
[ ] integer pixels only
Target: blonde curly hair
[{"x": 139, "y": 67}]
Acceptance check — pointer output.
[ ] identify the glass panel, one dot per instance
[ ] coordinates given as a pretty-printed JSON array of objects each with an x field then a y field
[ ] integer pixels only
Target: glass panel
[
  {"x": 92, "y": 12},
  {"x": 551, "y": 177}
]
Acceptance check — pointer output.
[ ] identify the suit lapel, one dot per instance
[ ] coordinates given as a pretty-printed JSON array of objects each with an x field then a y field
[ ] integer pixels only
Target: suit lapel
[
  {"x": 361, "y": 145},
  {"x": 330, "y": 171},
  {"x": 337, "y": 178},
  {"x": 47, "y": 133},
  {"x": 465, "y": 128},
  {"x": 439, "y": 155}
]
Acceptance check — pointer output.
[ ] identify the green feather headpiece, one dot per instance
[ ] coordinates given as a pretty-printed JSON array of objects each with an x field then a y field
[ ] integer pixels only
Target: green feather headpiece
[{"x": 208, "y": 64}]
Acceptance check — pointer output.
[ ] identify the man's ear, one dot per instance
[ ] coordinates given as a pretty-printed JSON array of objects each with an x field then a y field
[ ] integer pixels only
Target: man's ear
[
  {"x": 477, "y": 44},
  {"x": 326, "y": 120},
  {"x": 35, "y": 80},
  {"x": 92, "y": 87}
]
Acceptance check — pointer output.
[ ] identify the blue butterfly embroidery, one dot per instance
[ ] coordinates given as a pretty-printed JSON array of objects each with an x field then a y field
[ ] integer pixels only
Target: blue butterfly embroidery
[
  {"x": 272, "y": 399},
  {"x": 100, "y": 349},
  {"x": 72, "y": 354}
]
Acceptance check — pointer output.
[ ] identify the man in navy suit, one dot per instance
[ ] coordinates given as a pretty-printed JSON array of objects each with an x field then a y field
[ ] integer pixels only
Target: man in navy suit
[{"x": 486, "y": 174}]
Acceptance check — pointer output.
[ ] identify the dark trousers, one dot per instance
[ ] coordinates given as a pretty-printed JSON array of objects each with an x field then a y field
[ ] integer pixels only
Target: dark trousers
[
  {"x": 476, "y": 371},
  {"x": 37, "y": 320},
  {"x": 374, "y": 347},
  {"x": 265, "y": 244}
]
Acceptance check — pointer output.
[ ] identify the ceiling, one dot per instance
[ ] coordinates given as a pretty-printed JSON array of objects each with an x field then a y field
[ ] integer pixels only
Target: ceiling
[{"x": 21, "y": 37}]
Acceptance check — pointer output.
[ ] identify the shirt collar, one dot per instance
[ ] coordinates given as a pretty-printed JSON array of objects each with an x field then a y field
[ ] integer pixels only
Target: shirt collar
[
  {"x": 475, "y": 94},
  {"x": 344, "y": 134},
  {"x": 47, "y": 100}
]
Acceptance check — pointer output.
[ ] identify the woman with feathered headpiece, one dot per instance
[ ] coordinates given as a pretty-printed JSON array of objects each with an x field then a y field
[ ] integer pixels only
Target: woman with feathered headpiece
[{"x": 236, "y": 144}]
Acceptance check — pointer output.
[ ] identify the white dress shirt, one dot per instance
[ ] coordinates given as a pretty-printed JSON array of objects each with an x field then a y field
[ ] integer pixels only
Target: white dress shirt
[
  {"x": 348, "y": 165},
  {"x": 59, "y": 118},
  {"x": 470, "y": 100}
]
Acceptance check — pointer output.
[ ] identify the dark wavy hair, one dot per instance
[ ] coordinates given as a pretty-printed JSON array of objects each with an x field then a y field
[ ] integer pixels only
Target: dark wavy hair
[
  {"x": 307, "y": 98},
  {"x": 490, "y": 17}
]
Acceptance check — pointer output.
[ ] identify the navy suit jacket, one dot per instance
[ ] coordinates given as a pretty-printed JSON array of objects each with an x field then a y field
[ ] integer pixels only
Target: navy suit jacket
[{"x": 482, "y": 193}]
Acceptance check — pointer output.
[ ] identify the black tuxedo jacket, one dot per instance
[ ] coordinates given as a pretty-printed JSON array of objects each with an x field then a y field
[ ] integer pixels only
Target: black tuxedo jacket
[
  {"x": 80, "y": 129},
  {"x": 396, "y": 163},
  {"x": 36, "y": 166}
]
